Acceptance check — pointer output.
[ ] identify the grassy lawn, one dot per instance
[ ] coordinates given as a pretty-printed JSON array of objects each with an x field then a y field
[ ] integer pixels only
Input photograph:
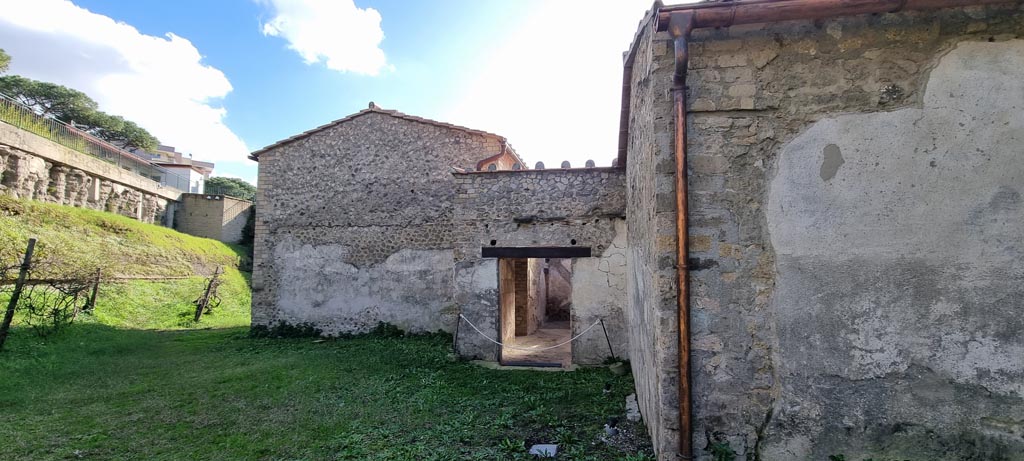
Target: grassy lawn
[
  {"x": 167, "y": 305},
  {"x": 98, "y": 392},
  {"x": 138, "y": 379}
]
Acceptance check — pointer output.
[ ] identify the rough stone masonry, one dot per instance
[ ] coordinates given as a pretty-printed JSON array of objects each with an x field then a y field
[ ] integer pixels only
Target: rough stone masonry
[{"x": 856, "y": 230}]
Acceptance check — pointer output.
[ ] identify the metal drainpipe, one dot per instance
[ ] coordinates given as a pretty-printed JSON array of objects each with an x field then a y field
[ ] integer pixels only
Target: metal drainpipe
[{"x": 680, "y": 25}]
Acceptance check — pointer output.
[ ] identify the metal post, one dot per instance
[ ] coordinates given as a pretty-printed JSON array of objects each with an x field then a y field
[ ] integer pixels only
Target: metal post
[
  {"x": 9, "y": 315},
  {"x": 455, "y": 342},
  {"x": 612, "y": 351}
]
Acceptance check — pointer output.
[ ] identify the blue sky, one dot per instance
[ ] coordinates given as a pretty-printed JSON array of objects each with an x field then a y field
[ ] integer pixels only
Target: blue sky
[{"x": 237, "y": 75}]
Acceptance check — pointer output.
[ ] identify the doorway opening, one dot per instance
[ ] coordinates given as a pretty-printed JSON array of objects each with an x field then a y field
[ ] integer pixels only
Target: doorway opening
[{"x": 536, "y": 303}]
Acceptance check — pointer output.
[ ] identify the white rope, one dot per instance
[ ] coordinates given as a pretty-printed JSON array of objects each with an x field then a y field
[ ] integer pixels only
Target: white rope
[{"x": 527, "y": 349}]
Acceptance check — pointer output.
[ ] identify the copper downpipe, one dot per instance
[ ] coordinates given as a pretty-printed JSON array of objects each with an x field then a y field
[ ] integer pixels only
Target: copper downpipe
[{"x": 680, "y": 26}]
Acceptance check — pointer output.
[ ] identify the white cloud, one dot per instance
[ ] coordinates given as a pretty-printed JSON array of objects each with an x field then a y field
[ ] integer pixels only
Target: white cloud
[
  {"x": 554, "y": 87},
  {"x": 160, "y": 83},
  {"x": 344, "y": 37}
]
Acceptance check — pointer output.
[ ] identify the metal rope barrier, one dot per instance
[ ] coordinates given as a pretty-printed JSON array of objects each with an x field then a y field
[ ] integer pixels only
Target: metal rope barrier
[{"x": 525, "y": 349}]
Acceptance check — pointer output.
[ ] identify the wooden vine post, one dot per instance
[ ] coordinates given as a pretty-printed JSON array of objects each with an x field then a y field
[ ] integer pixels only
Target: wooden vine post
[
  {"x": 211, "y": 289},
  {"x": 91, "y": 304},
  {"x": 9, "y": 315}
]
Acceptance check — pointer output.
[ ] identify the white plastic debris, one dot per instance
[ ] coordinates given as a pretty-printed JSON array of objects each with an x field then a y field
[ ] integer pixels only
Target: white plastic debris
[
  {"x": 632, "y": 409},
  {"x": 544, "y": 450}
]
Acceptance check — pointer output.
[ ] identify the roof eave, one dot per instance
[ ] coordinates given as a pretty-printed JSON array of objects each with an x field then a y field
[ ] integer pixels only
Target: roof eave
[{"x": 372, "y": 109}]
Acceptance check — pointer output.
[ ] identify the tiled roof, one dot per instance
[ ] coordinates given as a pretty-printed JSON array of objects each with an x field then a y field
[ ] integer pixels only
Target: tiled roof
[{"x": 372, "y": 109}]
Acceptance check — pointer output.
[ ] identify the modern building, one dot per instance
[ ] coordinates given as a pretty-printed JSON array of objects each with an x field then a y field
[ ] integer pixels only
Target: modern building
[{"x": 186, "y": 171}]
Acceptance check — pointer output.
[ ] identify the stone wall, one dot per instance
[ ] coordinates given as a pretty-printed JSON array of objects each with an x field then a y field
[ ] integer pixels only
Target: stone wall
[
  {"x": 354, "y": 225},
  {"x": 857, "y": 229},
  {"x": 36, "y": 168},
  {"x": 651, "y": 285},
  {"x": 236, "y": 214},
  {"x": 540, "y": 208},
  {"x": 559, "y": 288},
  {"x": 213, "y": 216}
]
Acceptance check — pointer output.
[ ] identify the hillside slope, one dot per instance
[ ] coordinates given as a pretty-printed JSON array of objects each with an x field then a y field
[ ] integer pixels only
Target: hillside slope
[
  {"x": 74, "y": 241},
  {"x": 123, "y": 245}
]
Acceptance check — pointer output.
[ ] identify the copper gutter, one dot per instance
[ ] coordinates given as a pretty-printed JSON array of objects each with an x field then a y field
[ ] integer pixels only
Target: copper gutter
[
  {"x": 495, "y": 157},
  {"x": 679, "y": 21},
  {"x": 505, "y": 149},
  {"x": 725, "y": 14}
]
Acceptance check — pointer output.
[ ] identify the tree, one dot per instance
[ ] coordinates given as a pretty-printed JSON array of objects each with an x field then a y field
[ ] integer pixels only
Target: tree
[
  {"x": 231, "y": 186},
  {"x": 5, "y": 61},
  {"x": 50, "y": 99},
  {"x": 70, "y": 105},
  {"x": 126, "y": 134}
]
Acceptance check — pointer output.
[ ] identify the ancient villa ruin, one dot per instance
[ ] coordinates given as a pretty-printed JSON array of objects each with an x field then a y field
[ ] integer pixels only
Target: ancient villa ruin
[{"x": 846, "y": 177}]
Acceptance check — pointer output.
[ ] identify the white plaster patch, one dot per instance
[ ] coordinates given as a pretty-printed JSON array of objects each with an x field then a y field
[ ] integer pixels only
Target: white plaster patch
[
  {"x": 876, "y": 348},
  {"x": 931, "y": 201},
  {"x": 986, "y": 355},
  {"x": 599, "y": 292},
  {"x": 483, "y": 276},
  {"x": 943, "y": 309},
  {"x": 914, "y": 182},
  {"x": 412, "y": 289}
]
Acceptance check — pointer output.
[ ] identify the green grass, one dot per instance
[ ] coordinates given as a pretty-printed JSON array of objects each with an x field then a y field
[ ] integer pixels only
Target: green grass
[
  {"x": 82, "y": 239},
  {"x": 77, "y": 240},
  {"x": 137, "y": 379},
  {"x": 168, "y": 304},
  {"x": 97, "y": 392}
]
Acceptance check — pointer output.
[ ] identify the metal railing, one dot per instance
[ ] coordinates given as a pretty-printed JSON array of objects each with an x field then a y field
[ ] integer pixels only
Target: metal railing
[
  {"x": 21, "y": 116},
  {"x": 223, "y": 190}
]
